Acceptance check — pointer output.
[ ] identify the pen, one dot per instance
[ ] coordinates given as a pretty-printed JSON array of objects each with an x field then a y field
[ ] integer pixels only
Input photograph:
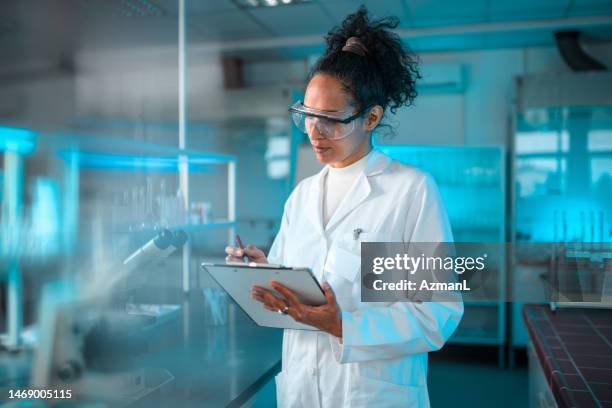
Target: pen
[{"x": 245, "y": 257}]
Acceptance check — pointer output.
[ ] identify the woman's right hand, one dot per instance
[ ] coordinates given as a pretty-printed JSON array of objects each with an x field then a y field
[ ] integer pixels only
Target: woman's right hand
[{"x": 235, "y": 254}]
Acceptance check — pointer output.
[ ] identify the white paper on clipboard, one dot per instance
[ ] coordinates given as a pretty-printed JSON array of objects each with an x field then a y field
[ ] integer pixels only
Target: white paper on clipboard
[{"x": 238, "y": 278}]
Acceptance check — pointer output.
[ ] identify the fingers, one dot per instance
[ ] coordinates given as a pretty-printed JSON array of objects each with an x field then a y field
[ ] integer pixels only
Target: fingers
[
  {"x": 255, "y": 253},
  {"x": 324, "y": 317},
  {"x": 252, "y": 249},
  {"x": 252, "y": 252},
  {"x": 230, "y": 258},
  {"x": 274, "y": 304},
  {"x": 297, "y": 310},
  {"x": 286, "y": 292},
  {"x": 329, "y": 294},
  {"x": 234, "y": 251},
  {"x": 234, "y": 254},
  {"x": 270, "y": 308},
  {"x": 270, "y": 301}
]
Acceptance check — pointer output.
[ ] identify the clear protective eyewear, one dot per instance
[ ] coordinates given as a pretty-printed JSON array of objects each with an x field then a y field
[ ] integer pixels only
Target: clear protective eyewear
[{"x": 332, "y": 125}]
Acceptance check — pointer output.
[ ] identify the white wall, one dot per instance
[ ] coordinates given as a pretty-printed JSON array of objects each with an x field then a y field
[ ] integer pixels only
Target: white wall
[
  {"x": 143, "y": 84},
  {"x": 477, "y": 116},
  {"x": 486, "y": 105}
]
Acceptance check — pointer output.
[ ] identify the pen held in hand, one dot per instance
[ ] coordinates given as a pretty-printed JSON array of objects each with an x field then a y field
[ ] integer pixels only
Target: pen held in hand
[{"x": 245, "y": 257}]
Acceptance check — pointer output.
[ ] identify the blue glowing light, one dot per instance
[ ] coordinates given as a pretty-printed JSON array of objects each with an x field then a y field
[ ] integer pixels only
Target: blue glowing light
[
  {"x": 45, "y": 216},
  {"x": 22, "y": 141},
  {"x": 471, "y": 183},
  {"x": 109, "y": 161}
]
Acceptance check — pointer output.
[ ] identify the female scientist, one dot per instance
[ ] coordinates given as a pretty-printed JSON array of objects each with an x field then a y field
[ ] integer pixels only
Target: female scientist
[{"x": 365, "y": 354}]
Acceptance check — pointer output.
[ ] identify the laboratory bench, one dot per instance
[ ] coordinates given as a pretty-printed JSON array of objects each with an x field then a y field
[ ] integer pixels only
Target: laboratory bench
[
  {"x": 190, "y": 358},
  {"x": 570, "y": 356}
]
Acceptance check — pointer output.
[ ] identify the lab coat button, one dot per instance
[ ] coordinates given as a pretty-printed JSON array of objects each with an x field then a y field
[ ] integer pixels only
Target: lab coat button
[{"x": 313, "y": 372}]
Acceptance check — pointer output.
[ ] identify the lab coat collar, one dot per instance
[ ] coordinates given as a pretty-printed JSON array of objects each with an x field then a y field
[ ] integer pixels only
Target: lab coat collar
[{"x": 377, "y": 163}]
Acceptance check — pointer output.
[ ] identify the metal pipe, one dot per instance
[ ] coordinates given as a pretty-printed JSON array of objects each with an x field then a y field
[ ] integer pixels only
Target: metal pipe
[
  {"x": 11, "y": 220},
  {"x": 568, "y": 44},
  {"x": 182, "y": 89},
  {"x": 183, "y": 159}
]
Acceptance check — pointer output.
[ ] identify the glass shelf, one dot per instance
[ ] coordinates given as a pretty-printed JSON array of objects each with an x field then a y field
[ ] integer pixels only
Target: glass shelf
[
  {"x": 96, "y": 186},
  {"x": 94, "y": 151},
  {"x": 18, "y": 140},
  {"x": 206, "y": 226}
]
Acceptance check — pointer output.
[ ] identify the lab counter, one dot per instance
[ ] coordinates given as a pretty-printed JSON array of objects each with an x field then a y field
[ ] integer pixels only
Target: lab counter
[
  {"x": 195, "y": 359},
  {"x": 570, "y": 357}
]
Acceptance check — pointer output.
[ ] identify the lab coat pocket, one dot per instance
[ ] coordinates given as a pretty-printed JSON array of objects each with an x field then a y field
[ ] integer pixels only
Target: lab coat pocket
[
  {"x": 342, "y": 262},
  {"x": 369, "y": 392}
]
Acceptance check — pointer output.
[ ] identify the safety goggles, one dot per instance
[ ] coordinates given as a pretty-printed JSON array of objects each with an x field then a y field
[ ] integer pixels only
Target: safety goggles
[{"x": 329, "y": 124}]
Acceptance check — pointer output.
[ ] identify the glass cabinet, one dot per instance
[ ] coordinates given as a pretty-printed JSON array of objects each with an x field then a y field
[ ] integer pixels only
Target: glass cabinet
[{"x": 562, "y": 170}]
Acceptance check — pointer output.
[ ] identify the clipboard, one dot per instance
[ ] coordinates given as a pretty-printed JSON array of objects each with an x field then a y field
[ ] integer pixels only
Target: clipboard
[{"x": 236, "y": 278}]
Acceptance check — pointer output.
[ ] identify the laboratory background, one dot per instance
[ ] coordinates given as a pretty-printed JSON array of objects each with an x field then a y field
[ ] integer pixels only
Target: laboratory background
[{"x": 137, "y": 137}]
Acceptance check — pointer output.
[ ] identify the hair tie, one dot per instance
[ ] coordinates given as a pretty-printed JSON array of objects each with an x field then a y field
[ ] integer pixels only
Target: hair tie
[{"x": 354, "y": 45}]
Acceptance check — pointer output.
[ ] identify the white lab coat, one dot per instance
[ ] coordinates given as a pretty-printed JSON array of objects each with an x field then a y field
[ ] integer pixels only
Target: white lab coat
[{"x": 382, "y": 360}]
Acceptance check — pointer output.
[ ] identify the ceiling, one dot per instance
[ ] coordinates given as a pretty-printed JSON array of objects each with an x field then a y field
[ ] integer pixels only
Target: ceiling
[{"x": 34, "y": 29}]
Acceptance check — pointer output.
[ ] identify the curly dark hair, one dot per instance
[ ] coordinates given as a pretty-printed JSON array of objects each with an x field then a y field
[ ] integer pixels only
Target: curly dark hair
[{"x": 386, "y": 75}]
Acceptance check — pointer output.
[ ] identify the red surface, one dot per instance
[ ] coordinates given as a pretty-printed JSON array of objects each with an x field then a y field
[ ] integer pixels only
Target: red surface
[{"x": 574, "y": 347}]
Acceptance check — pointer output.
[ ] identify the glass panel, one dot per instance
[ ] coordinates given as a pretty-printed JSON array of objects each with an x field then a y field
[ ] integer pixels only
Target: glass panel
[
  {"x": 563, "y": 165},
  {"x": 471, "y": 182},
  {"x": 94, "y": 227}
]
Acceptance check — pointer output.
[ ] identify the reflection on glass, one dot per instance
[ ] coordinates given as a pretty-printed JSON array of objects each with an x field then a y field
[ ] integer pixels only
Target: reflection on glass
[
  {"x": 471, "y": 182},
  {"x": 563, "y": 169},
  {"x": 542, "y": 142}
]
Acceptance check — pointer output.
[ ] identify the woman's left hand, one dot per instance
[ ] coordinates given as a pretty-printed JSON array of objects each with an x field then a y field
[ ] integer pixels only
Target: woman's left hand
[{"x": 326, "y": 317}]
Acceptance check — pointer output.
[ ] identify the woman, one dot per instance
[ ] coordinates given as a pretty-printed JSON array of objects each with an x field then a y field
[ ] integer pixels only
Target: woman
[{"x": 364, "y": 354}]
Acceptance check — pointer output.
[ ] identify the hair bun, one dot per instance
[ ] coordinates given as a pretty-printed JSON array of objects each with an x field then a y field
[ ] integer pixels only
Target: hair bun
[{"x": 354, "y": 45}]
